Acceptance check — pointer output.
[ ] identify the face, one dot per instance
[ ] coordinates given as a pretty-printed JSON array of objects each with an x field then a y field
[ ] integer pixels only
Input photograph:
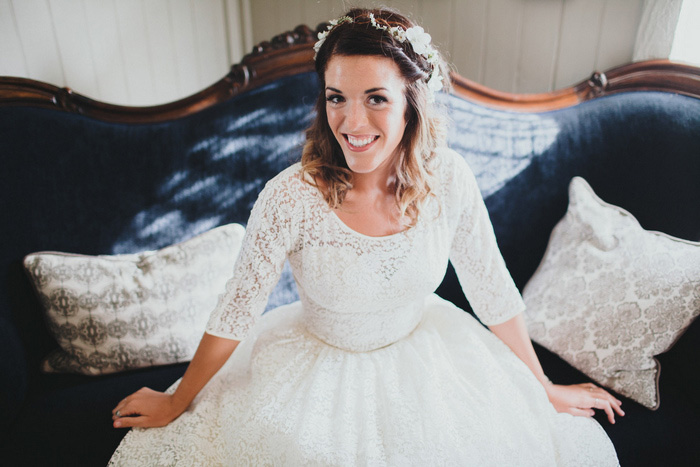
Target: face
[{"x": 366, "y": 108}]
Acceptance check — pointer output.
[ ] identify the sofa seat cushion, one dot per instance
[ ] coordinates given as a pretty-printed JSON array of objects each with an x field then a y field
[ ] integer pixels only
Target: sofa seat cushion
[{"x": 69, "y": 417}]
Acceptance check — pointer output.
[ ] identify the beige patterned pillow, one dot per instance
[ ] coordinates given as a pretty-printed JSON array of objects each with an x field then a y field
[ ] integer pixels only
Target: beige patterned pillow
[
  {"x": 609, "y": 295},
  {"x": 114, "y": 313}
]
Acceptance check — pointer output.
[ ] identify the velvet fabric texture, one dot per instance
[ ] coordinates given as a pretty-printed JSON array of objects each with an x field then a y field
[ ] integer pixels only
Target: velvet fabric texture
[{"x": 74, "y": 184}]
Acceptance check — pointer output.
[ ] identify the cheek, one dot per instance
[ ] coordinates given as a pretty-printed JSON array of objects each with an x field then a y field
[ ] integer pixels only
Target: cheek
[{"x": 333, "y": 117}]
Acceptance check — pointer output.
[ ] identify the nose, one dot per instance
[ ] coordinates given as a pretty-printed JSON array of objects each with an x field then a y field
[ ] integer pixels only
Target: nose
[{"x": 356, "y": 117}]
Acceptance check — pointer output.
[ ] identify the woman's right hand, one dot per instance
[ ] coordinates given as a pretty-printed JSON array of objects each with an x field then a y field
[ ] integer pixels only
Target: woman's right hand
[{"x": 146, "y": 408}]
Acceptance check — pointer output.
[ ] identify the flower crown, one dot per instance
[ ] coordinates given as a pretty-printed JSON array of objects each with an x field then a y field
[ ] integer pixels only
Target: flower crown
[{"x": 416, "y": 36}]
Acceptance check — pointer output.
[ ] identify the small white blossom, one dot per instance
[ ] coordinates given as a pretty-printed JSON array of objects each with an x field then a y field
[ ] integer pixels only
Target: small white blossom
[
  {"x": 419, "y": 39},
  {"x": 435, "y": 82}
]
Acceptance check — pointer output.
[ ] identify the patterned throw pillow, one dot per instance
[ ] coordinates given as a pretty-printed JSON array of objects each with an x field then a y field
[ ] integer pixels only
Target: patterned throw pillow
[
  {"x": 114, "y": 313},
  {"x": 609, "y": 295}
]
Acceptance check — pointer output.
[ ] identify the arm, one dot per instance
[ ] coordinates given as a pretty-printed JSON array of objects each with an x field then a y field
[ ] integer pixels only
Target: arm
[
  {"x": 149, "y": 408},
  {"x": 497, "y": 302},
  {"x": 268, "y": 239},
  {"x": 579, "y": 399}
]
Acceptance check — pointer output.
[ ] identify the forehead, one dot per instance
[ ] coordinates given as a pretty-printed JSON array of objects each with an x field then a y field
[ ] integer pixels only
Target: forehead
[{"x": 362, "y": 72}]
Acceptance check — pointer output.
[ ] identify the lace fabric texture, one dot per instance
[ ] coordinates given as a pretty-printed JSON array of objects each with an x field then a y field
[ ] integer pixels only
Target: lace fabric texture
[{"x": 369, "y": 367}]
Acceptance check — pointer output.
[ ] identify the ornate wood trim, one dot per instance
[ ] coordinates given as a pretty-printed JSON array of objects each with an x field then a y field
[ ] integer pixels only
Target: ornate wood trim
[
  {"x": 291, "y": 53},
  {"x": 652, "y": 75},
  {"x": 286, "y": 54}
]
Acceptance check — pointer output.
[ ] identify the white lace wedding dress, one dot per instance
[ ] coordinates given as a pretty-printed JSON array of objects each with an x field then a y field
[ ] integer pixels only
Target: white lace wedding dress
[{"x": 369, "y": 367}]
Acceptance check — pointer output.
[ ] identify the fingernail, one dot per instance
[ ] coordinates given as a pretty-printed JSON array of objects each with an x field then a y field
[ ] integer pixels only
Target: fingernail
[{"x": 117, "y": 424}]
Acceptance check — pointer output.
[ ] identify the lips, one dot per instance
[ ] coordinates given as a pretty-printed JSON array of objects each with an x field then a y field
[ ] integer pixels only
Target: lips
[{"x": 360, "y": 142}]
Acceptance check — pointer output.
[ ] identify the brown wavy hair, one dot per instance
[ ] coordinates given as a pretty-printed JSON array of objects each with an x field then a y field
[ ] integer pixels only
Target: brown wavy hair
[{"x": 322, "y": 158}]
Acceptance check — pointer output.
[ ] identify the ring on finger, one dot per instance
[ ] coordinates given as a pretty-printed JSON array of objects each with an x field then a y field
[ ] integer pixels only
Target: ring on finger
[
  {"x": 118, "y": 413},
  {"x": 595, "y": 404}
]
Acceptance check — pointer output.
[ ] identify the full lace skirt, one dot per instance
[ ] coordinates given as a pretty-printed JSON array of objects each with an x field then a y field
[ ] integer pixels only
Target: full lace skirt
[{"x": 449, "y": 393}]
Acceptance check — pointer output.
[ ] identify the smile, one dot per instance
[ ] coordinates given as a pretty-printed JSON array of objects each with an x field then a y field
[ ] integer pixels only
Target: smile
[{"x": 360, "y": 142}]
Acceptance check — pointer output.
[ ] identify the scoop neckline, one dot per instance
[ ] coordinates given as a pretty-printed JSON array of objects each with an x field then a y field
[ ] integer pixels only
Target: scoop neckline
[{"x": 349, "y": 229}]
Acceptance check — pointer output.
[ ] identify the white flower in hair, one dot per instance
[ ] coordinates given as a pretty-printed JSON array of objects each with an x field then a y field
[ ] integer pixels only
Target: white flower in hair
[
  {"x": 419, "y": 39},
  {"x": 435, "y": 82}
]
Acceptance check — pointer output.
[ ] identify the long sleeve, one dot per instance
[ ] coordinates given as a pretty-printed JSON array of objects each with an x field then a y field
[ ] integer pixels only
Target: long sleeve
[
  {"x": 270, "y": 237},
  {"x": 474, "y": 253}
]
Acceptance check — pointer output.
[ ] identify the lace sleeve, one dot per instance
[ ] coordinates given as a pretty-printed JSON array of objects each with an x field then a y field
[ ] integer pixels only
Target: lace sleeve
[
  {"x": 269, "y": 238},
  {"x": 474, "y": 253}
]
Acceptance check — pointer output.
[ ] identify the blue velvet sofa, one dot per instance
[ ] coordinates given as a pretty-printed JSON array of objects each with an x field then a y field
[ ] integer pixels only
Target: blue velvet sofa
[{"x": 86, "y": 177}]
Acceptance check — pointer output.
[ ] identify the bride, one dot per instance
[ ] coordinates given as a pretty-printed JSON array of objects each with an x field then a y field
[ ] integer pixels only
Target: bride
[{"x": 370, "y": 366}]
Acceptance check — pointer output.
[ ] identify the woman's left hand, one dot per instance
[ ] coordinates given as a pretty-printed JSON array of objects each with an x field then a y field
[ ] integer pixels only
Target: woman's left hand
[{"x": 582, "y": 399}]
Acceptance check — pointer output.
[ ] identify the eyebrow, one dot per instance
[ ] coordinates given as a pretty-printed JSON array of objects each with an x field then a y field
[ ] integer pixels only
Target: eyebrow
[{"x": 369, "y": 91}]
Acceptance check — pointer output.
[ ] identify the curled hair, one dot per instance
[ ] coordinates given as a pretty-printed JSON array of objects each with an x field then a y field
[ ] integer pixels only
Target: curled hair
[{"x": 322, "y": 158}]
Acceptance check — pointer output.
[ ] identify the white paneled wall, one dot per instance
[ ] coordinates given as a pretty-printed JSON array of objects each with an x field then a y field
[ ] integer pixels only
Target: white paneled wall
[
  {"x": 137, "y": 52},
  {"x": 143, "y": 52},
  {"x": 510, "y": 45}
]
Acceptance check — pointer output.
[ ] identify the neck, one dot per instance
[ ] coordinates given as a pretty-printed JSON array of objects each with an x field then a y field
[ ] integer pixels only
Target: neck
[{"x": 382, "y": 181}]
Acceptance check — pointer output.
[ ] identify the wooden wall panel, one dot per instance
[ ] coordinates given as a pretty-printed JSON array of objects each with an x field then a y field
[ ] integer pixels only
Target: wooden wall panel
[
  {"x": 212, "y": 46},
  {"x": 133, "y": 38},
  {"x": 12, "y": 59},
  {"x": 539, "y": 44},
  {"x": 618, "y": 33},
  {"x": 235, "y": 33},
  {"x": 160, "y": 48},
  {"x": 38, "y": 38},
  {"x": 502, "y": 44},
  {"x": 73, "y": 40},
  {"x": 107, "y": 55},
  {"x": 185, "y": 46},
  {"x": 143, "y": 52},
  {"x": 467, "y": 50},
  {"x": 580, "y": 37}
]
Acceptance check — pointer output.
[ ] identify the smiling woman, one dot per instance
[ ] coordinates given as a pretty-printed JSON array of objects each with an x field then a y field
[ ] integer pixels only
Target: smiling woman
[{"x": 370, "y": 366}]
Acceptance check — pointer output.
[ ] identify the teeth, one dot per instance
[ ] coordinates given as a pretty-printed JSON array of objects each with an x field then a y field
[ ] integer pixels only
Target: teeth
[{"x": 360, "y": 142}]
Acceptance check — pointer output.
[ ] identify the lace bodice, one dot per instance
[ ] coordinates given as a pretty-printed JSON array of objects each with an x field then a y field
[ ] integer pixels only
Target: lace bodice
[{"x": 361, "y": 293}]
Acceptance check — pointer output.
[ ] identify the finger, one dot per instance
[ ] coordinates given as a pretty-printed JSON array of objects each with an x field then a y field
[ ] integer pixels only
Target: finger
[
  {"x": 606, "y": 406},
  {"x": 128, "y": 422},
  {"x": 615, "y": 403},
  {"x": 609, "y": 411}
]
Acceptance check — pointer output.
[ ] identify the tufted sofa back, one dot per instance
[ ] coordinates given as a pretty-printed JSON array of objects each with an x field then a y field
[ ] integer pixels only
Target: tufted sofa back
[{"x": 76, "y": 184}]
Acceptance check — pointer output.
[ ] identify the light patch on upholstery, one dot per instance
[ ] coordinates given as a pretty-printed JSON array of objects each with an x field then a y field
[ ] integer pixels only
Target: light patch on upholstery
[{"x": 497, "y": 144}]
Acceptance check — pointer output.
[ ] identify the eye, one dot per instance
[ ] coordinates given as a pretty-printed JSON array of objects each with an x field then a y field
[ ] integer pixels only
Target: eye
[
  {"x": 335, "y": 98},
  {"x": 376, "y": 99}
]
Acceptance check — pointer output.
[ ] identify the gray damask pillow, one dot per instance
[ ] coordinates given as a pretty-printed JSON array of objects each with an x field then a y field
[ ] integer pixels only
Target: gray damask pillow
[
  {"x": 114, "y": 313},
  {"x": 609, "y": 295}
]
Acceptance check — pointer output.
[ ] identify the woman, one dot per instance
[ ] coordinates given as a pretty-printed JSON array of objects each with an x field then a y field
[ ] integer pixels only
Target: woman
[{"x": 370, "y": 367}]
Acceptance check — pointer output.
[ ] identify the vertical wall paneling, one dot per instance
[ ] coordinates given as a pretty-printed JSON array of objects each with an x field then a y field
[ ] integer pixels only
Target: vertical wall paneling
[
  {"x": 468, "y": 38},
  {"x": 265, "y": 22},
  {"x": 73, "y": 43},
  {"x": 685, "y": 44},
  {"x": 657, "y": 28},
  {"x": 291, "y": 14},
  {"x": 107, "y": 56},
  {"x": 185, "y": 46},
  {"x": 412, "y": 8},
  {"x": 143, "y": 52},
  {"x": 132, "y": 37},
  {"x": 234, "y": 31},
  {"x": 617, "y": 33},
  {"x": 319, "y": 11},
  {"x": 539, "y": 43},
  {"x": 36, "y": 32},
  {"x": 580, "y": 33},
  {"x": 504, "y": 25},
  {"x": 161, "y": 51},
  {"x": 11, "y": 56},
  {"x": 211, "y": 40},
  {"x": 440, "y": 10},
  {"x": 247, "y": 22}
]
